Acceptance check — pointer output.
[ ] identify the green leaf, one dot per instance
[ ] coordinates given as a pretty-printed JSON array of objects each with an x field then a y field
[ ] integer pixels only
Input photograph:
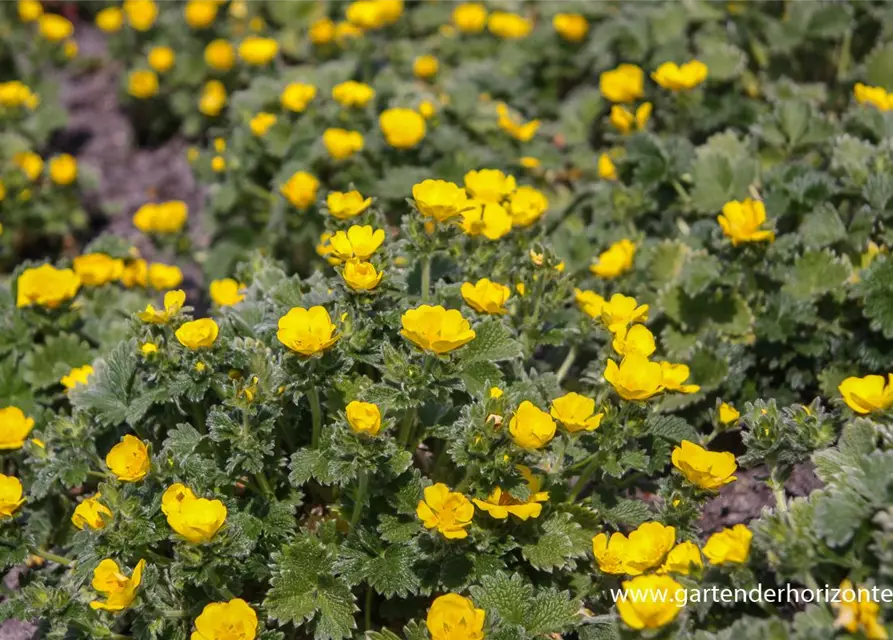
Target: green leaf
[
  {"x": 303, "y": 589},
  {"x": 838, "y": 515},
  {"x": 879, "y": 67},
  {"x": 722, "y": 171},
  {"x": 822, "y": 227},
  {"x": 393, "y": 529},
  {"x": 109, "y": 391},
  {"x": 480, "y": 376},
  {"x": 493, "y": 342},
  {"x": 876, "y": 289},
  {"x": 671, "y": 428},
  {"x": 561, "y": 542},
  {"x": 391, "y": 573},
  {"x": 514, "y": 602},
  {"x": 815, "y": 273},
  {"x": 46, "y": 364},
  {"x": 629, "y": 513}
]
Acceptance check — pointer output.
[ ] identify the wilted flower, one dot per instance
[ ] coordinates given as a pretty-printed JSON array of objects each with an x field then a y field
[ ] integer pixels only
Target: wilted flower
[
  {"x": 347, "y": 205},
  {"x": 741, "y": 221},
  {"x": 509, "y": 26},
  {"x": 470, "y": 17},
  {"x": 626, "y": 83},
  {"x": 675, "y": 77},
  {"x": 576, "y": 412},
  {"x": 363, "y": 417},
  {"x": 173, "y": 302},
  {"x": 142, "y": 83},
  {"x": 527, "y": 205},
  {"x": 436, "y": 329},
  {"x": 402, "y": 128},
  {"x": 164, "y": 276},
  {"x": 296, "y": 96},
  {"x": 341, "y": 143},
  {"x": 644, "y": 549},
  {"x": 616, "y": 261},
  {"x": 485, "y": 296},
  {"x": 63, "y": 169},
  {"x": 571, "y": 26},
  {"x": 118, "y": 589},
  {"x": 46, "y": 286},
  {"x": 14, "y": 428},
  {"x": 681, "y": 559},
  {"x": 11, "y": 496},
  {"x": 452, "y": 617},
  {"x": 258, "y": 51},
  {"x": 856, "y": 612},
  {"x": 220, "y": 55},
  {"x": 78, "y": 375},
  {"x": 705, "y": 469},
  {"x": 129, "y": 459},
  {"x": 300, "y": 189},
  {"x": 307, "y": 331},
  {"x": 91, "y": 513},
  {"x": 198, "y": 334},
  {"x": 353, "y": 94},
  {"x": 658, "y": 605},
  {"x": 869, "y": 394},
  {"x": 637, "y": 378},
  {"x": 448, "y": 512},
  {"x": 358, "y": 242},
  {"x": 621, "y": 311},
  {"x": 635, "y": 339},
  {"x": 97, "y": 269},
  {"x": 729, "y": 546},
  {"x": 361, "y": 276},
  {"x": 531, "y": 427},
  {"x": 261, "y": 123},
  {"x": 233, "y": 620},
  {"x": 674, "y": 377}
]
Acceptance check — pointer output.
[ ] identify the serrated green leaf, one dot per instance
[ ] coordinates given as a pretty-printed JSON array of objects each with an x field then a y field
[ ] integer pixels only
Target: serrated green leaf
[
  {"x": 562, "y": 541},
  {"x": 493, "y": 342}
]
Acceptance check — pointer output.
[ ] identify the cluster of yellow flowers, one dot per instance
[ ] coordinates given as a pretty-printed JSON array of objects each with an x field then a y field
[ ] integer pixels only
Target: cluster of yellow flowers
[{"x": 51, "y": 26}]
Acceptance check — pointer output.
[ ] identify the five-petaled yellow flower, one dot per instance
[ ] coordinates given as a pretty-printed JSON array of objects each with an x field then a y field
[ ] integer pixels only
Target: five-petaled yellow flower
[
  {"x": 499, "y": 504},
  {"x": 357, "y": 243},
  {"x": 626, "y": 83},
  {"x": 728, "y": 414},
  {"x": 361, "y": 276},
  {"x": 453, "y": 617},
  {"x": 118, "y": 589},
  {"x": 729, "y": 546},
  {"x": 651, "y": 602},
  {"x": 307, "y": 331},
  {"x": 488, "y": 219},
  {"x": 634, "y": 339},
  {"x": 571, "y": 26},
  {"x": 10, "y": 496},
  {"x": 91, "y": 513},
  {"x": 97, "y": 269},
  {"x": 436, "y": 329},
  {"x": 531, "y": 427},
  {"x": 871, "y": 394},
  {"x": 576, "y": 412},
  {"x": 440, "y": 199},
  {"x": 621, "y": 311},
  {"x": 425, "y": 67},
  {"x": 14, "y": 427},
  {"x": 164, "y": 276},
  {"x": 509, "y": 26},
  {"x": 363, "y": 417},
  {"x": 683, "y": 77},
  {"x": 196, "y": 519},
  {"x": 607, "y": 170},
  {"x": 682, "y": 558},
  {"x": 261, "y": 123},
  {"x": 46, "y": 286},
  {"x": 741, "y": 221},
  {"x": 220, "y": 55},
  {"x": 644, "y": 549},
  {"x": 490, "y": 185},
  {"x": 515, "y": 127},
  {"x": 856, "y": 612},
  {"x": 232, "y": 620},
  {"x": 878, "y": 97},
  {"x": 78, "y": 375},
  {"x": 485, "y": 296},
  {"x": 227, "y": 292},
  {"x": 63, "y": 169},
  {"x": 705, "y": 469},
  {"x": 527, "y": 205},
  {"x": 258, "y": 51},
  {"x": 300, "y": 189},
  {"x": 674, "y": 377},
  {"x": 142, "y": 83},
  {"x": 402, "y": 128},
  {"x": 129, "y": 459},
  {"x": 198, "y": 334},
  {"x": 296, "y": 96},
  {"x": 173, "y": 302},
  {"x": 353, "y": 94},
  {"x": 347, "y": 205},
  {"x": 470, "y": 17},
  {"x": 589, "y": 302},
  {"x": 341, "y": 143},
  {"x": 637, "y": 378},
  {"x": 625, "y": 120},
  {"x": 615, "y": 261},
  {"x": 447, "y": 511}
]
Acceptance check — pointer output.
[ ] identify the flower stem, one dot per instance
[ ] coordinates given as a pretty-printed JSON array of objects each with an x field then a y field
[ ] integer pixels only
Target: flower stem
[
  {"x": 367, "y": 613},
  {"x": 52, "y": 557},
  {"x": 426, "y": 278},
  {"x": 359, "y": 497},
  {"x": 582, "y": 481},
  {"x": 265, "y": 486},
  {"x": 316, "y": 415},
  {"x": 566, "y": 365},
  {"x": 406, "y": 427}
]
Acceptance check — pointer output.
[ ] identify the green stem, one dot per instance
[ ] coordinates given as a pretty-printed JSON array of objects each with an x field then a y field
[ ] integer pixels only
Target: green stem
[
  {"x": 252, "y": 188},
  {"x": 426, "y": 278},
  {"x": 843, "y": 60},
  {"x": 406, "y": 427},
  {"x": 265, "y": 486},
  {"x": 367, "y": 614},
  {"x": 568, "y": 210},
  {"x": 52, "y": 557},
  {"x": 470, "y": 471},
  {"x": 99, "y": 474},
  {"x": 359, "y": 498},
  {"x": 316, "y": 415},
  {"x": 566, "y": 365},
  {"x": 680, "y": 190},
  {"x": 581, "y": 482}
]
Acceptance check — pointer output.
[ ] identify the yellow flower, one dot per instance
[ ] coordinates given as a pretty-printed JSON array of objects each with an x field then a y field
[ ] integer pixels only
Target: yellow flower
[
  {"x": 212, "y": 98},
  {"x": 741, "y": 221},
  {"x": 364, "y": 14},
  {"x": 16, "y": 94},
  {"x": 625, "y": 121},
  {"x": 644, "y": 549},
  {"x": 218, "y": 164},
  {"x": 868, "y": 394},
  {"x": 341, "y": 143},
  {"x": 448, "y": 512},
  {"x": 129, "y": 459},
  {"x": 529, "y": 162},
  {"x": 728, "y": 413},
  {"x": 353, "y": 94},
  {"x": 198, "y": 334},
  {"x": 589, "y": 302},
  {"x": 621, "y": 311},
  {"x": 571, "y": 26},
  {"x": 358, "y": 242},
  {"x": 161, "y": 59},
  {"x": 164, "y": 276},
  {"x": 322, "y": 31},
  {"x": 616, "y": 261},
  {"x": 196, "y": 519},
  {"x": 705, "y": 469},
  {"x": 135, "y": 274},
  {"x": 626, "y": 83},
  {"x": 531, "y": 427},
  {"x": 607, "y": 170},
  {"x": 300, "y": 189},
  {"x": 14, "y": 428},
  {"x": 110, "y": 19},
  {"x": 148, "y": 348},
  {"x": 30, "y": 163},
  {"x": 509, "y": 26},
  {"x": 142, "y": 84},
  {"x": 499, "y": 504},
  {"x": 363, "y": 417},
  {"x": 495, "y": 393},
  {"x": 46, "y": 286},
  {"x": 347, "y": 205},
  {"x": 220, "y": 55},
  {"x": 261, "y": 123},
  {"x": 675, "y": 77},
  {"x": 200, "y": 14},
  {"x": 427, "y": 109},
  {"x": 876, "y": 96},
  {"x": 361, "y": 276},
  {"x": 576, "y": 412},
  {"x": 452, "y": 617},
  {"x": 70, "y": 48},
  {"x": 10, "y": 496},
  {"x": 729, "y": 546},
  {"x": 637, "y": 378},
  {"x": 141, "y": 14},
  {"x": 296, "y": 96},
  {"x": 470, "y": 17},
  {"x": 258, "y": 51},
  {"x": 485, "y": 296},
  {"x": 307, "y": 331},
  {"x": 489, "y": 219},
  {"x": 490, "y": 185},
  {"x": 402, "y": 128},
  {"x": 439, "y": 199},
  {"x": 54, "y": 27},
  {"x": 436, "y": 329},
  {"x": 78, "y": 375},
  {"x": 675, "y": 375},
  {"x": 681, "y": 559},
  {"x": 226, "y": 292},
  {"x": 91, "y": 513},
  {"x": 173, "y": 302},
  {"x": 29, "y": 10},
  {"x": 118, "y": 589},
  {"x": 425, "y": 67},
  {"x": 63, "y": 169},
  {"x": 233, "y": 620},
  {"x": 345, "y": 31},
  {"x": 635, "y": 339},
  {"x": 651, "y": 602},
  {"x": 96, "y": 269},
  {"x": 527, "y": 205},
  {"x": 856, "y": 612}
]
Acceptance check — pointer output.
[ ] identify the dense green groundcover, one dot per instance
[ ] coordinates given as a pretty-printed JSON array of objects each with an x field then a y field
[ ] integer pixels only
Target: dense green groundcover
[{"x": 497, "y": 297}]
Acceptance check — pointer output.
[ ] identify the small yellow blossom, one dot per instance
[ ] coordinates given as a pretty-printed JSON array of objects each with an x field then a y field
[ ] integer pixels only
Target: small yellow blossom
[
  {"x": 129, "y": 459},
  {"x": 97, "y": 269},
  {"x": 499, "y": 504},
  {"x": 485, "y": 296},
  {"x": 148, "y": 348},
  {"x": 212, "y": 98},
  {"x": 232, "y": 620},
  {"x": 63, "y": 169},
  {"x": 624, "y": 84},
  {"x": 470, "y": 17},
  {"x": 14, "y": 428},
  {"x": 164, "y": 276},
  {"x": 571, "y": 26},
  {"x": 644, "y": 549},
  {"x": 258, "y": 51},
  {"x": 29, "y": 10},
  {"x": 425, "y": 67},
  {"x": 91, "y": 513},
  {"x": 637, "y": 378},
  {"x": 262, "y": 123},
  {"x": 681, "y": 559},
  {"x": 78, "y": 375},
  {"x": 220, "y": 55},
  {"x": 518, "y": 129},
  {"x": 489, "y": 219},
  {"x": 54, "y": 27},
  {"x": 200, "y": 14},
  {"x": 856, "y": 612},
  {"x": 607, "y": 170},
  {"x": 440, "y": 199},
  {"x": 490, "y": 185},
  {"x": 729, "y": 546},
  {"x": 659, "y": 606},
  {"x": 674, "y": 377},
  {"x": 30, "y": 163},
  {"x": 347, "y": 205},
  {"x": 675, "y": 77},
  {"x": 46, "y": 286},
  {"x": 300, "y": 189},
  {"x": 161, "y": 59},
  {"x": 705, "y": 469},
  {"x": 358, "y": 242},
  {"x": 296, "y": 96},
  {"x": 527, "y": 205},
  {"x": 617, "y": 260},
  {"x": 142, "y": 84},
  {"x": 141, "y": 14},
  {"x": 402, "y": 128},
  {"x": 361, "y": 276},
  {"x": 509, "y": 26},
  {"x": 436, "y": 329},
  {"x": 576, "y": 412},
  {"x": 226, "y": 292},
  {"x": 341, "y": 143},
  {"x": 11, "y": 499},
  {"x": 452, "y": 617},
  {"x": 589, "y": 302},
  {"x": 173, "y": 302},
  {"x": 322, "y": 31},
  {"x": 196, "y": 519},
  {"x": 728, "y": 413},
  {"x": 741, "y": 221},
  {"x": 875, "y": 96},
  {"x": 621, "y": 311},
  {"x": 531, "y": 427},
  {"x": 353, "y": 94},
  {"x": 198, "y": 334},
  {"x": 118, "y": 589},
  {"x": 363, "y": 417},
  {"x": 448, "y": 512},
  {"x": 625, "y": 120},
  {"x": 307, "y": 331},
  {"x": 634, "y": 339},
  {"x": 869, "y": 394}
]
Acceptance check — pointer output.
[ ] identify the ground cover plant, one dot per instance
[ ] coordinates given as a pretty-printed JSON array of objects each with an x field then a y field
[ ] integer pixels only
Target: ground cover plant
[{"x": 483, "y": 307}]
